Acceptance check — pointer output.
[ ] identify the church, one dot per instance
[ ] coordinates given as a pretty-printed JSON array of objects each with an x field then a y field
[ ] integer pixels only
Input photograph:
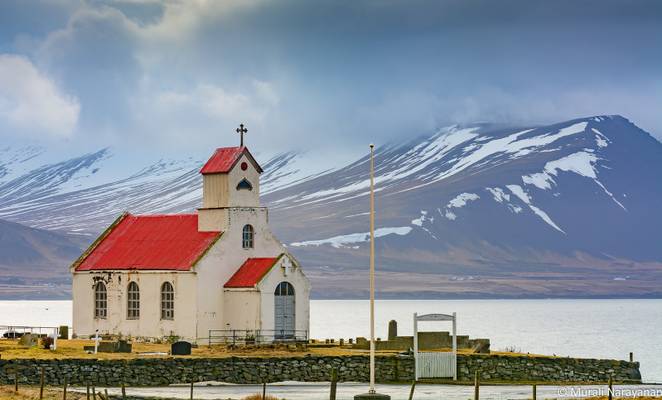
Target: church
[{"x": 186, "y": 275}]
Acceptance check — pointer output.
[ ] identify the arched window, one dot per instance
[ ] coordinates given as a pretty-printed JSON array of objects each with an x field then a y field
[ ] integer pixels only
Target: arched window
[
  {"x": 284, "y": 289},
  {"x": 100, "y": 301},
  {"x": 247, "y": 237},
  {"x": 167, "y": 301},
  {"x": 133, "y": 301},
  {"x": 244, "y": 184}
]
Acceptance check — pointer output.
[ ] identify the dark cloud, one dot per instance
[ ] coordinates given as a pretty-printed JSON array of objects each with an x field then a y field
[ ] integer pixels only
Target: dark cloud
[{"x": 335, "y": 73}]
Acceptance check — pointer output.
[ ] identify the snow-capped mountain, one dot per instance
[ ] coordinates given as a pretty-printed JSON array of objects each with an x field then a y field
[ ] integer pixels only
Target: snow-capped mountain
[{"x": 570, "y": 209}]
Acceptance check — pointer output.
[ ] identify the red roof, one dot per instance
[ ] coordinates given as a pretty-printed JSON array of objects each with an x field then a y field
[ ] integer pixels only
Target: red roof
[
  {"x": 149, "y": 242},
  {"x": 225, "y": 158},
  {"x": 251, "y": 272}
]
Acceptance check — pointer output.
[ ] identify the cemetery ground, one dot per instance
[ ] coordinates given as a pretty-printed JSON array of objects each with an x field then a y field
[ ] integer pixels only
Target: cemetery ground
[{"x": 10, "y": 349}]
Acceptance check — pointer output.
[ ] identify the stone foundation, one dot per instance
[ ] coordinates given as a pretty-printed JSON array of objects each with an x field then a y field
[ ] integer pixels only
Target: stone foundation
[{"x": 164, "y": 371}]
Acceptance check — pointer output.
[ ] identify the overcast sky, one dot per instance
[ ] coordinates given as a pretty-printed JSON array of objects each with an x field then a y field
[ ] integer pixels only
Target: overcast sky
[{"x": 178, "y": 76}]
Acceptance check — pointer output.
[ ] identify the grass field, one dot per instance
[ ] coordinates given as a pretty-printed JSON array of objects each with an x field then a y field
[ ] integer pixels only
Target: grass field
[{"x": 10, "y": 349}]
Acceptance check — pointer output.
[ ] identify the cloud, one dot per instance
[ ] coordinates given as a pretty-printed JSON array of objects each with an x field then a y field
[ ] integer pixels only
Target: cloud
[
  {"x": 31, "y": 103},
  {"x": 174, "y": 73}
]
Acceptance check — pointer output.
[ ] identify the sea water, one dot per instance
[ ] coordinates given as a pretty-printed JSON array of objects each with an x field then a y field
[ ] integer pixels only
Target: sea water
[{"x": 576, "y": 328}]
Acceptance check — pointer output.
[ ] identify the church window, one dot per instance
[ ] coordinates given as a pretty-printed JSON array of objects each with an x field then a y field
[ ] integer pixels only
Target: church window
[
  {"x": 245, "y": 185},
  {"x": 247, "y": 237},
  {"x": 133, "y": 301},
  {"x": 167, "y": 301},
  {"x": 100, "y": 301},
  {"x": 284, "y": 289}
]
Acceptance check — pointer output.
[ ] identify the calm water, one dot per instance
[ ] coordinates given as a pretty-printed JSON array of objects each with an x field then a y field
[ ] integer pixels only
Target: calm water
[{"x": 581, "y": 328}]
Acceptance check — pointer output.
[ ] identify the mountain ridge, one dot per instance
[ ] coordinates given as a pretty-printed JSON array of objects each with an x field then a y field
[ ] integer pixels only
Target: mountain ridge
[{"x": 487, "y": 210}]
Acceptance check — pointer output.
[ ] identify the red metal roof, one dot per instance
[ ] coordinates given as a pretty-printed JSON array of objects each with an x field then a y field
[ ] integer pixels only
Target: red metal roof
[
  {"x": 150, "y": 242},
  {"x": 251, "y": 272},
  {"x": 225, "y": 158}
]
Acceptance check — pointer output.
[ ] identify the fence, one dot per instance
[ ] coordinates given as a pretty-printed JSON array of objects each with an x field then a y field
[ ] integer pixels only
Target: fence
[
  {"x": 16, "y": 331},
  {"x": 262, "y": 336}
]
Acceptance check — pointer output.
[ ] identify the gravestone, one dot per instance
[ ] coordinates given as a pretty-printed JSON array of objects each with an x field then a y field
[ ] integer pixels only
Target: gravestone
[
  {"x": 392, "y": 329},
  {"x": 28, "y": 340},
  {"x": 124, "y": 346},
  {"x": 64, "y": 332},
  {"x": 180, "y": 348}
]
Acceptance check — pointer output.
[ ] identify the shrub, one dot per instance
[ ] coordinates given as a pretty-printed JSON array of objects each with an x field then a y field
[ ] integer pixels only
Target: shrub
[
  {"x": 259, "y": 397},
  {"x": 47, "y": 342}
]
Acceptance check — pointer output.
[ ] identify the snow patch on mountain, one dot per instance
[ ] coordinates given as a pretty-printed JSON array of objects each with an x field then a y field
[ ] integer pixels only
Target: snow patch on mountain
[
  {"x": 582, "y": 163},
  {"x": 461, "y": 200},
  {"x": 522, "y": 195},
  {"x": 345, "y": 241},
  {"x": 600, "y": 139},
  {"x": 499, "y": 195}
]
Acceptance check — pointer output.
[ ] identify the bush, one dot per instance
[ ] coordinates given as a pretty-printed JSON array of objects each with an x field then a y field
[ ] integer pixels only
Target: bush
[
  {"x": 47, "y": 342},
  {"x": 259, "y": 397}
]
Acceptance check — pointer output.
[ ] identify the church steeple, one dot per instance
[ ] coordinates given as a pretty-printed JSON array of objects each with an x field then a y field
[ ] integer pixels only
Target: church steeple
[{"x": 230, "y": 179}]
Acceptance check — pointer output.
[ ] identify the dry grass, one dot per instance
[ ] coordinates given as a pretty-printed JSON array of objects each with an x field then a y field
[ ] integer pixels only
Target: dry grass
[
  {"x": 9, "y": 349},
  {"x": 259, "y": 397},
  {"x": 32, "y": 393}
]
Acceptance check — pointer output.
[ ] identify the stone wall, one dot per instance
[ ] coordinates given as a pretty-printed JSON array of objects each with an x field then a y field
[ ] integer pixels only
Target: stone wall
[
  {"x": 163, "y": 371},
  {"x": 546, "y": 369}
]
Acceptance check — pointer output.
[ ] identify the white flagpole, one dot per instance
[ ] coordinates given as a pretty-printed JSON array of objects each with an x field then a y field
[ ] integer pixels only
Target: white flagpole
[{"x": 372, "y": 269}]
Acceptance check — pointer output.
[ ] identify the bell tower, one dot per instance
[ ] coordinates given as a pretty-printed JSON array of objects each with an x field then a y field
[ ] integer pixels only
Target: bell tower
[{"x": 230, "y": 180}]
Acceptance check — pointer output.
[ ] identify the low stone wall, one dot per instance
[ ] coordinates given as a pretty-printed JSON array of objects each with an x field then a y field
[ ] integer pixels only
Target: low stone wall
[
  {"x": 546, "y": 369},
  {"x": 157, "y": 372}
]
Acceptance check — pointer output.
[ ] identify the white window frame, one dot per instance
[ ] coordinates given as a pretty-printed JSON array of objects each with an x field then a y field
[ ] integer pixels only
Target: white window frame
[
  {"x": 167, "y": 301},
  {"x": 133, "y": 301},
  {"x": 100, "y": 301}
]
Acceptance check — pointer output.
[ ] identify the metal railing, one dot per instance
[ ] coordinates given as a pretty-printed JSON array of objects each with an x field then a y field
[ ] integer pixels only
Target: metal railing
[
  {"x": 261, "y": 336},
  {"x": 18, "y": 331}
]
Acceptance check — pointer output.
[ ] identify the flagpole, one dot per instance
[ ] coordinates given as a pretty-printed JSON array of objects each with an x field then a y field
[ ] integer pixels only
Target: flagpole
[
  {"x": 372, "y": 394},
  {"x": 372, "y": 269}
]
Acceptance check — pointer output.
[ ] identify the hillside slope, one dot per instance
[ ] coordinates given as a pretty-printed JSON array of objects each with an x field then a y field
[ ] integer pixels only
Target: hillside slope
[
  {"x": 563, "y": 210},
  {"x": 33, "y": 262}
]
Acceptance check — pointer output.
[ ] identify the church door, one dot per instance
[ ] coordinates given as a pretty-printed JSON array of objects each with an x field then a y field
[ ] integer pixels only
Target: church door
[{"x": 284, "y": 311}]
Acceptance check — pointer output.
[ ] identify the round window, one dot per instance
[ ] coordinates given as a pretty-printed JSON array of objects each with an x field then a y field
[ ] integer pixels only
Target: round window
[{"x": 244, "y": 166}]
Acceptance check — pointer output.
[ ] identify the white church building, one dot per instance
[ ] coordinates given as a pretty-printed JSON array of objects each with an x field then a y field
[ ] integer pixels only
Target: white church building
[{"x": 220, "y": 269}]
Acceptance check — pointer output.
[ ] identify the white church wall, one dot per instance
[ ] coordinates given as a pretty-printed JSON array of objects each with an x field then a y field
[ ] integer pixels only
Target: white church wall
[
  {"x": 244, "y": 198},
  {"x": 149, "y": 324},
  {"x": 241, "y": 309},
  {"x": 225, "y": 258},
  {"x": 280, "y": 273}
]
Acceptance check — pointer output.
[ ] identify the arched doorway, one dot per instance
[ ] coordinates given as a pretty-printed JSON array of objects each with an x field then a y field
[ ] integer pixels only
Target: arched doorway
[{"x": 284, "y": 311}]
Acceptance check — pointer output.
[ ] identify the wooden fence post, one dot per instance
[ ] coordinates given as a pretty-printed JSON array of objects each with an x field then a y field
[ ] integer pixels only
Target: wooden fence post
[
  {"x": 41, "y": 384},
  {"x": 16, "y": 381},
  {"x": 611, "y": 393},
  {"x": 87, "y": 391},
  {"x": 334, "y": 382},
  {"x": 123, "y": 391},
  {"x": 191, "y": 389},
  {"x": 94, "y": 392},
  {"x": 64, "y": 392},
  {"x": 631, "y": 356},
  {"x": 264, "y": 391},
  {"x": 476, "y": 386},
  {"x": 534, "y": 392},
  {"x": 105, "y": 394},
  {"x": 411, "y": 392}
]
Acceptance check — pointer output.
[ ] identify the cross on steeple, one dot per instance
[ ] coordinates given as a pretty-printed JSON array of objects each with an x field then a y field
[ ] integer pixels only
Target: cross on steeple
[{"x": 241, "y": 130}]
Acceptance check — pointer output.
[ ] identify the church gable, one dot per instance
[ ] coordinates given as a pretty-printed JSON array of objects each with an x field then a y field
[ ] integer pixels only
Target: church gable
[
  {"x": 224, "y": 160},
  {"x": 149, "y": 242},
  {"x": 251, "y": 272}
]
